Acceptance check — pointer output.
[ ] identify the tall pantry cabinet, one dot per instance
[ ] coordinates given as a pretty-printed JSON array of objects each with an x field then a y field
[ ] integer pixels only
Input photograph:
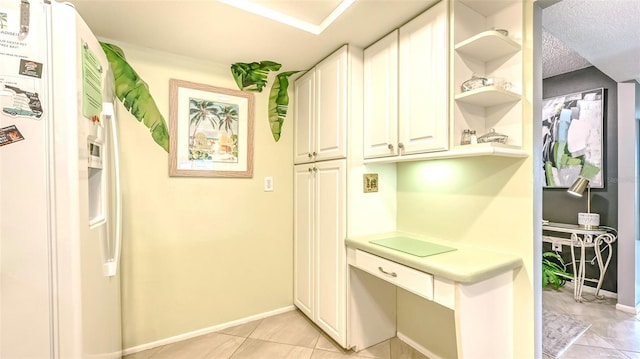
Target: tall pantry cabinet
[{"x": 322, "y": 110}]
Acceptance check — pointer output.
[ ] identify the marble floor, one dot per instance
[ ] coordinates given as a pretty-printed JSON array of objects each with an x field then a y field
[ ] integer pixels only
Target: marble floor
[
  {"x": 288, "y": 335},
  {"x": 613, "y": 334}
]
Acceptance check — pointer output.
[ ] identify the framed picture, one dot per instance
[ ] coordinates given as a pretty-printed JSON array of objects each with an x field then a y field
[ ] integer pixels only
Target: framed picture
[
  {"x": 572, "y": 136},
  {"x": 211, "y": 131}
]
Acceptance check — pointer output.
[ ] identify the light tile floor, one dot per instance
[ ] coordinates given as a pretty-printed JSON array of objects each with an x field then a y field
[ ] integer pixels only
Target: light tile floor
[
  {"x": 288, "y": 335},
  {"x": 613, "y": 334}
]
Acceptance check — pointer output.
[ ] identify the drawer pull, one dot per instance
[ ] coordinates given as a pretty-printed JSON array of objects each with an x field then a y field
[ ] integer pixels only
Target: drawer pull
[{"x": 393, "y": 274}]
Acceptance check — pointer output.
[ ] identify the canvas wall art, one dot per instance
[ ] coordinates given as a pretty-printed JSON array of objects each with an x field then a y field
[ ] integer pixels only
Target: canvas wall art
[{"x": 572, "y": 135}]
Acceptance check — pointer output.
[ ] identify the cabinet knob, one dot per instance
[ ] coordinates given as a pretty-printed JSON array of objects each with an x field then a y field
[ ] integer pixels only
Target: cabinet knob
[
  {"x": 314, "y": 154},
  {"x": 400, "y": 145},
  {"x": 310, "y": 169},
  {"x": 308, "y": 154},
  {"x": 315, "y": 169},
  {"x": 390, "y": 146}
]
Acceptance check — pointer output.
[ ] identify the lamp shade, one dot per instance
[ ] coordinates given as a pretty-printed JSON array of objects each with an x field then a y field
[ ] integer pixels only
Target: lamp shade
[
  {"x": 585, "y": 220},
  {"x": 578, "y": 187}
]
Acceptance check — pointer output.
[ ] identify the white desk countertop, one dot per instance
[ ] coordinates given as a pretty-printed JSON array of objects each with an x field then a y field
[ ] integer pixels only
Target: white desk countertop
[{"x": 467, "y": 264}]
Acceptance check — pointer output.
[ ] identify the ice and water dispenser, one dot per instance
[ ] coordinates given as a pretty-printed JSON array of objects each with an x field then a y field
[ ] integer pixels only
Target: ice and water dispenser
[{"x": 97, "y": 181}]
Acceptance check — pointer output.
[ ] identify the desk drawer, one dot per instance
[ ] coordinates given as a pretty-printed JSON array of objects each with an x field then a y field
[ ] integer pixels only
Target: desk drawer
[{"x": 402, "y": 276}]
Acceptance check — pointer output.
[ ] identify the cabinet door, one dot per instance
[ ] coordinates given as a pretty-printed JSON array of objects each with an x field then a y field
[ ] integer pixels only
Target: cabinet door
[
  {"x": 303, "y": 209},
  {"x": 423, "y": 92},
  {"x": 330, "y": 259},
  {"x": 304, "y": 133},
  {"x": 331, "y": 106},
  {"x": 381, "y": 97}
]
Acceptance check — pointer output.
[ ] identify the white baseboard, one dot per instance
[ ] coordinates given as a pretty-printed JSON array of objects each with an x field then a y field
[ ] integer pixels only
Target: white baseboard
[
  {"x": 627, "y": 309},
  {"x": 623, "y": 308},
  {"x": 592, "y": 290},
  {"x": 203, "y": 331},
  {"x": 410, "y": 342}
]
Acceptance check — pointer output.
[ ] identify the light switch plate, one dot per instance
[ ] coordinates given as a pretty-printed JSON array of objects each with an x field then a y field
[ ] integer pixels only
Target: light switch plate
[
  {"x": 370, "y": 182},
  {"x": 268, "y": 184}
]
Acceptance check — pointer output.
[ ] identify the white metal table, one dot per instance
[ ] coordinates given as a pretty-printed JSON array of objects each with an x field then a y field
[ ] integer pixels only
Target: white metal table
[{"x": 599, "y": 239}]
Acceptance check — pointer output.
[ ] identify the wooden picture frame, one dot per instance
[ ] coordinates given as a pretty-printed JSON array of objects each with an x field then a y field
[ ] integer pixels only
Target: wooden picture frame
[{"x": 211, "y": 131}]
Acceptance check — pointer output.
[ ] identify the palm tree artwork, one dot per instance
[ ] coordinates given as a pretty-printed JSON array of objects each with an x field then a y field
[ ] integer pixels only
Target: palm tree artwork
[
  {"x": 3, "y": 20},
  {"x": 228, "y": 115},
  {"x": 213, "y": 131}
]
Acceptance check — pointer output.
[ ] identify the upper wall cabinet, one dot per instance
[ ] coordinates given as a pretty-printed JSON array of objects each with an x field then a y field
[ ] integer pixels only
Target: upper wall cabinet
[
  {"x": 487, "y": 70},
  {"x": 423, "y": 82},
  {"x": 321, "y": 110},
  {"x": 381, "y": 97},
  {"x": 406, "y": 88},
  {"x": 420, "y": 94}
]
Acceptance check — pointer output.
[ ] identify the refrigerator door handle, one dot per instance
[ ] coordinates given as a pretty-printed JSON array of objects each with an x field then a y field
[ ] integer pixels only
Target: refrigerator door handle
[
  {"x": 24, "y": 19},
  {"x": 111, "y": 267}
]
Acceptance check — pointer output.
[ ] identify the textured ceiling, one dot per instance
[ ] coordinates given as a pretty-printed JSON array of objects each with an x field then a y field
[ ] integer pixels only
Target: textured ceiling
[
  {"x": 604, "y": 32},
  {"x": 558, "y": 58}
]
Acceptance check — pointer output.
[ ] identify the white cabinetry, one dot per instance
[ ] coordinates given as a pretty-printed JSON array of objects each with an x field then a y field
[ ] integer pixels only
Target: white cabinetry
[
  {"x": 321, "y": 110},
  {"x": 406, "y": 88},
  {"x": 423, "y": 82},
  {"x": 303, "y": 236},
  {"x": 319, "y": 251},
  {"x": 413, "y": 79},
  {"x": 381, "y": 97}
]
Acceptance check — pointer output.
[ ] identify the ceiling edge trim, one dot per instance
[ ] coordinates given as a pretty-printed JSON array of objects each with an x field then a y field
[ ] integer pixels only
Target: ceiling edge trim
[{"x": 260, "y": 10}]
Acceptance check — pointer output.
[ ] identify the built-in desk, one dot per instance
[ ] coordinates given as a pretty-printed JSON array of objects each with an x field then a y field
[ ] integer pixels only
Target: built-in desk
[{"x": 475, "y": 283}]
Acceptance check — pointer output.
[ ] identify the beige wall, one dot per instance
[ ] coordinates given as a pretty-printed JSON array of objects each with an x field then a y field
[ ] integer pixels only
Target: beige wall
[
  {"x": 200, "y": 251},
  {"x": 427, "y": 323},
  {"x": 481, "y": 201}
]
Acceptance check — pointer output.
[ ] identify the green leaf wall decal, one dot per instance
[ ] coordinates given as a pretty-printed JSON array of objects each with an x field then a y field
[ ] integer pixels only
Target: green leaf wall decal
[
  {"x": 279, "y": 102},
  {"x": 253, "y": 76},
  {"x": 134, "y": 94}
]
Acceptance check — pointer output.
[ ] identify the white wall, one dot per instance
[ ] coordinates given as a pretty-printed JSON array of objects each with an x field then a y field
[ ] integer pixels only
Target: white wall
[
  {"x": 199, "y": 252},
  {"x": 628, "y": 196}
]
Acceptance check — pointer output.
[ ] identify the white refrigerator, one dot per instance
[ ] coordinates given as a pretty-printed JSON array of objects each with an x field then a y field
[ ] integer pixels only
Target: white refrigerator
[{"x": 60, "y": 206}]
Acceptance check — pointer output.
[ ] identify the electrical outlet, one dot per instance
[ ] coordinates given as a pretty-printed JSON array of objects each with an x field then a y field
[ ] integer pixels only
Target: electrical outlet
[
  {"x": 556, "y": 247},
  {"x": 370, "y": 182}
]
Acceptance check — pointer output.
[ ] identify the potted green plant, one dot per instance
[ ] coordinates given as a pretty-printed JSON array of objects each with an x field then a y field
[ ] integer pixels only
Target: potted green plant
[{"x": 553, "y": 272}]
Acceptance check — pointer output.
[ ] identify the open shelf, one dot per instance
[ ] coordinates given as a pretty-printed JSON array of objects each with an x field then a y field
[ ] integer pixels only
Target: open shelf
[
  {"x": 487, "y": 46},
  {"x": 488, "y": 96}
]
